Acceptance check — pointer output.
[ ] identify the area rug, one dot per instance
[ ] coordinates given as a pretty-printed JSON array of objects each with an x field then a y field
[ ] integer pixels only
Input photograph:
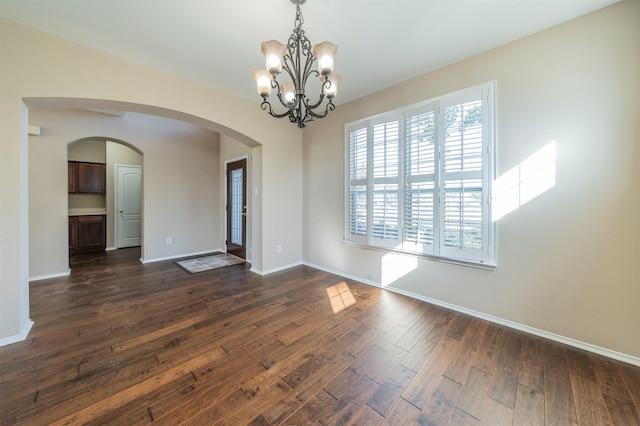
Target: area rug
[{"x": 207, "y": 263}]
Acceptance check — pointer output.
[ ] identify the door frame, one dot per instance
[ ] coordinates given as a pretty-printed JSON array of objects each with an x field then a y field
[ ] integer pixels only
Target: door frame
[
  {"x": 115, "y": 204},
  {"x": 247, "y": 185}
]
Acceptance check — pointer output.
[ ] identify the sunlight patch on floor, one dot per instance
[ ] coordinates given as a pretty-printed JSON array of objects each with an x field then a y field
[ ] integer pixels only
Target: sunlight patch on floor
[{"x": 340, "y": 297}]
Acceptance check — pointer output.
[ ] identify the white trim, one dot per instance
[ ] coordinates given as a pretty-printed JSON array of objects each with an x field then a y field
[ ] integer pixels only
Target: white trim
[
  {"x": 18, "y": 337},
  {"x": 46, "y": 277},
  {"x": 178, "y": 256},
  {"x": 278, "y": 269},
  {"x": 629, "y": 359},
  {"x": 110, "y": 249}
]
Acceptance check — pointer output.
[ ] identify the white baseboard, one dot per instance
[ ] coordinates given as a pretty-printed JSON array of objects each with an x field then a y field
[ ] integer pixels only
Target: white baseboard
[
  {"x": 18, "y": 337},
  {"x": 46, "y": 277},
  {"x": 278, "y": 269},
  {"x": 180, "y": 256},
  {"x": 629, "y": 359},
  {"x": 110, "y": 249}
]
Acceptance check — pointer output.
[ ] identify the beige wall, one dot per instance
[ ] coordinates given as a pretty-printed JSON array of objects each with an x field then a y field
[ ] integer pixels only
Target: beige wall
[
  {"x": 568, "y": 259},
  {"x": 92, "y": 151},
  {"x": 40, "y": 71}
]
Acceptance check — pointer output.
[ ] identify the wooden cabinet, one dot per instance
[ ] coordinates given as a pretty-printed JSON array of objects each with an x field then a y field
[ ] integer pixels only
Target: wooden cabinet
[
  {"x": 87, "y": 234},
  {"x": 73, "y": 177},
  {"x": 73, "y": 233},
  {"x": 87, "y": 178}
]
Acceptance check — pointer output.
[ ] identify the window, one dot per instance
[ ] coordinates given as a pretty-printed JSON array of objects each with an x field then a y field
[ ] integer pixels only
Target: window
[{"x": 419, "y": 178}]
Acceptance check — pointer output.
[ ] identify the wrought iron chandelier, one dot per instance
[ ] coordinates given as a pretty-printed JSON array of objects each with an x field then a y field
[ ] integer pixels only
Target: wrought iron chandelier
[{"x": 292, "y": 94}]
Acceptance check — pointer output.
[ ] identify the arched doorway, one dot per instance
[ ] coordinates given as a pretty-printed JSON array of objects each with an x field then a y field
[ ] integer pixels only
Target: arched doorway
[{"x": 108, "y": 214}]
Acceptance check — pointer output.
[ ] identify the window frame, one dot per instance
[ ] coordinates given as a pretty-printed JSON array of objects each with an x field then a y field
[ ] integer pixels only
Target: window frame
[{"x": 435, "y": 177}]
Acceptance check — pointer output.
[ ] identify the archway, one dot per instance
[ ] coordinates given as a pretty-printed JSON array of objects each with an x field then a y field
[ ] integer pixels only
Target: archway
[
  {"x": 112, "y": 128},
  {"x": 113, "y": 228}
]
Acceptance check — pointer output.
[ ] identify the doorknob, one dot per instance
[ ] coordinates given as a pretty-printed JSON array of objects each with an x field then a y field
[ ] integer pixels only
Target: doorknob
[{"x": 121, "y": 210}]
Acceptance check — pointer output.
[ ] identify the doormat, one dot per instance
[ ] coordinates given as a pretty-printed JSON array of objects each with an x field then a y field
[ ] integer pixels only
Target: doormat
[{"x": 207, "y": 263}]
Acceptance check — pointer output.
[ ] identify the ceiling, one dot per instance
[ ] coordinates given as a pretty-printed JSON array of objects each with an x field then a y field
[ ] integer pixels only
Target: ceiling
[{"x": 217, "y": 42}]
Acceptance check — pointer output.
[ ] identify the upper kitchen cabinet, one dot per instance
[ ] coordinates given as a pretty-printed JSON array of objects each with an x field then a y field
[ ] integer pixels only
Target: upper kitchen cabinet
[{"x": 87, "y": 178}]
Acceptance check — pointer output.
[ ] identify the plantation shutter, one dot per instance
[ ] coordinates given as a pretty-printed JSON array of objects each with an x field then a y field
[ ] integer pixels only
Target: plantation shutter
[
  {"x": 385, "y": 198},
  {"x": 357, "y": 196},
  {"x": 462, "y": 192},
  {"x": 420, "y": 180}
]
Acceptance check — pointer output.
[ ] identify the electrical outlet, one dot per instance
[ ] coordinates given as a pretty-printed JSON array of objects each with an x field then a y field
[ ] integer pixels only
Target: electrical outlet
[
  {"x": 279, "y": 248},
  {"x": 169, "y": 240}
]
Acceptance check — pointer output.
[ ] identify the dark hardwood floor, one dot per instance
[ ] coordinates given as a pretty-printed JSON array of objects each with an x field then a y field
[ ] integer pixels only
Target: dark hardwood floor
[{"x": 123, "y": 343}]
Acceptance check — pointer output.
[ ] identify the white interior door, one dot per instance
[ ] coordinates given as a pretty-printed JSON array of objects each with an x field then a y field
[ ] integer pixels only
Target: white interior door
[{"x": 128, "y": 205}]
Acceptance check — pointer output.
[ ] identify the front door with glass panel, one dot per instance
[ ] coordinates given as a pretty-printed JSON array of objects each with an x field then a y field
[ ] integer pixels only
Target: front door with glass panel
[{"x": 237, "y": 208}]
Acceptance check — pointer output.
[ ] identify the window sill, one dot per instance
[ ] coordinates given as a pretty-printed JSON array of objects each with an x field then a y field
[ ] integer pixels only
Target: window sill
[{"x": 467, "y": 263}]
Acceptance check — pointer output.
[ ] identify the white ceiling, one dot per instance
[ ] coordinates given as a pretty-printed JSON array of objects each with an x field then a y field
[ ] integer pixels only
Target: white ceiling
[{"x": 217, "y": 42}]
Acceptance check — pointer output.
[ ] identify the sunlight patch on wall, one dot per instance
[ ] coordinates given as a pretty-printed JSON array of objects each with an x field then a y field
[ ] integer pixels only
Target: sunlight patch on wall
[
  {"x": 526, "y": 181},
  {"x": 340, "y": 297},
  {"x": 395, "y": 266}
]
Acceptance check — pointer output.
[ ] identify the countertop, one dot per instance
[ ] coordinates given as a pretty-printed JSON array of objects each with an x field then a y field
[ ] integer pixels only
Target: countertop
[{"x": 87, "y": 212}]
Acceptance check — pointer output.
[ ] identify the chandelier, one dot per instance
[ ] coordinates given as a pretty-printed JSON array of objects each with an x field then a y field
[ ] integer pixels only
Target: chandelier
[{"x": 292, "y": 94}]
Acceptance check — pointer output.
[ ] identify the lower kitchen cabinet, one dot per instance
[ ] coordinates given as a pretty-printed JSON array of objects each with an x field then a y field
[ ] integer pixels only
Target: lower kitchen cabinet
[{"x": 87, "y": 234}]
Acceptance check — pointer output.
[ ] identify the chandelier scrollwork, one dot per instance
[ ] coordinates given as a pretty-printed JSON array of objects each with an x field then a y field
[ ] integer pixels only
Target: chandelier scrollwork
[{"x": 297, "y": 58}]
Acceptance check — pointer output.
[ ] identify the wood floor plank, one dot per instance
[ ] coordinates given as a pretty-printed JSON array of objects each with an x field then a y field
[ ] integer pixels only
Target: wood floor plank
[
  {"x": 426, "y": 379},
  {"x": 505, "y": 378},
  {"x": 210, "y": 388},
  {"x": 312, "y": 410},
  {"x": 388, "y": 393},
  {"x": 459, "y": 327},
  {"x": 365, "y": 416},
  {"x": 621, "y": 413},
  {"x": 400, "y": 413},
  {"x": 419, "y": 354},
  {"x": 118, "y": 342},
  {"x": 380, "y": 371},
  {"x": 439, "y": 409},
  {"x": 460, "y": 418},
  {"x": 364, "y": 365},
  {"x": 529, "y": 408},
  {"x": 590, "y": 406},
  {"x": 486, "y": 360},
  {"x": 531, "y": 369},
  {"x": 442, "y": 326},
  {"x": 631, "y": 379},
  {"x": 474, "y": 393},
  {"x": 609, "y": 377},
  {"x": 558, "y": 397},
  {"x": 305, "y": 389},
  {"x": 348, "y": 406},
  {"x": 496, "y": 414},
  {"x": 426, "y": 319},
  {"x": 465, "y": 357}
]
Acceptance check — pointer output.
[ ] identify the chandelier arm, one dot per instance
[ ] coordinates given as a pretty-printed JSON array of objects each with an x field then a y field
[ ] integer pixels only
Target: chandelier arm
[
  {"x": 266, "y": 106},
  {"x": 325, "y": 85},
  {"x": 330, "y": 107}
]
